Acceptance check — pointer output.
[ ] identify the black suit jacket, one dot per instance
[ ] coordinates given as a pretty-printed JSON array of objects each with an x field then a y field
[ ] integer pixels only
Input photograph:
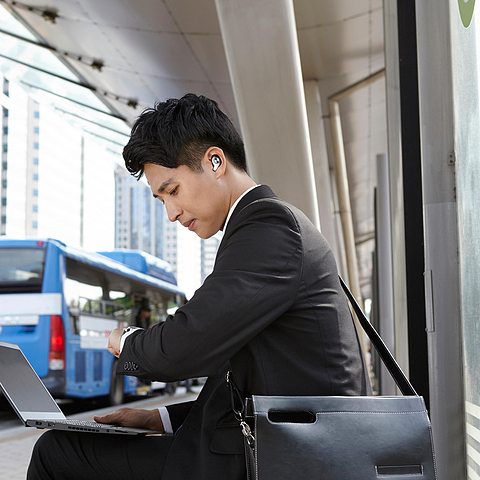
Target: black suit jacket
[{"x": 273, "y": 312}]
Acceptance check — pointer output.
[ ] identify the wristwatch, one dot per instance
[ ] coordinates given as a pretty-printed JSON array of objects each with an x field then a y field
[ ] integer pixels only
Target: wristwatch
[{"x": 129, "y": 329}]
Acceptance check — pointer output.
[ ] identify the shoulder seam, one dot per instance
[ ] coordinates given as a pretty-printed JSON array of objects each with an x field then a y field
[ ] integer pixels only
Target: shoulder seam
[{"x": 301, "y": 247}]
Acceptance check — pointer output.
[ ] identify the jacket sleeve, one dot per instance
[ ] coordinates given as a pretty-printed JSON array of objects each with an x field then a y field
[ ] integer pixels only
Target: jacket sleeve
[
  {"x": 178, "y": 413},
  {"x": 256, "y": 276}
]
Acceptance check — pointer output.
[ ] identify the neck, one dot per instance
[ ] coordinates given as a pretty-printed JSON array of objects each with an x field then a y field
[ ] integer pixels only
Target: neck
[{"x": 241, "y": 184}]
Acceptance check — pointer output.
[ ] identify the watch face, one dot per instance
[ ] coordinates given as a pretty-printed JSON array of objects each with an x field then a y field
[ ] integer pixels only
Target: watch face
[{"x": 466, "y": 8}]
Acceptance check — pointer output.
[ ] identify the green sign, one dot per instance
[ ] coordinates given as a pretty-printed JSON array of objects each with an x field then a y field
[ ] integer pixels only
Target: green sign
[{"x": 466, "y": 11}]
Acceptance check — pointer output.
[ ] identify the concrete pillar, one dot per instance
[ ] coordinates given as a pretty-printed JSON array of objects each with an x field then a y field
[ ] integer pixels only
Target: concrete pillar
[
  {"x": 442, "y": 276},
  {"x": 337, "y": 222},
  {"x": 385, "y": 275},
  {"x": 261, "y": 47},
  {"x": 320, "y": 163}
]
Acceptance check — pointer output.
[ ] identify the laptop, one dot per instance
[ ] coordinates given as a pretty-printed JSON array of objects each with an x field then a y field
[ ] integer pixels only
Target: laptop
[{"x": 33, "y": 403}]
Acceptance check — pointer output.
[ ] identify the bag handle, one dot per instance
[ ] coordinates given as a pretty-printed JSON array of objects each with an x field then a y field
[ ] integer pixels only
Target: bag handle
[{"x": 395, "y": 371}]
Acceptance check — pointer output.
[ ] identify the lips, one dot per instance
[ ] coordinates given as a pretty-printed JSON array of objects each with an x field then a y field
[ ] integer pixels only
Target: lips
[{"x": 190, "y": 224}]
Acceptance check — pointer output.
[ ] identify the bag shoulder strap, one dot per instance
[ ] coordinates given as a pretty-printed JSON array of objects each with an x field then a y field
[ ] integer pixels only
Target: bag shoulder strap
[{"x": 395, "y": 371}]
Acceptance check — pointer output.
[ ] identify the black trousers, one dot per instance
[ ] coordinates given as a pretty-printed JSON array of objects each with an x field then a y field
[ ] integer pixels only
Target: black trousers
[{"x": 70, "y": 455}]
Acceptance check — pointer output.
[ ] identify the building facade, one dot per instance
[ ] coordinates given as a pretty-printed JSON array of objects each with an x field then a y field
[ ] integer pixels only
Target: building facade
[{"x": 57, "y": 180}]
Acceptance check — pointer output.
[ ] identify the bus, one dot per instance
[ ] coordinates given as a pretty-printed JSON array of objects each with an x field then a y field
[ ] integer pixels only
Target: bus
[{"x": 60, "y": 303}]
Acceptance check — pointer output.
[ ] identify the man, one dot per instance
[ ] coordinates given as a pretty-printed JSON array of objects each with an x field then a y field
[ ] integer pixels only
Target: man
[
  {"x": 272, "y": 311},
  {"x": 143, "y": 317}
]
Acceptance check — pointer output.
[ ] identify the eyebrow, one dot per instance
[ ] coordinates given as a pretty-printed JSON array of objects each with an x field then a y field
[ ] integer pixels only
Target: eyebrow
[{"x": 163, "y": 186}]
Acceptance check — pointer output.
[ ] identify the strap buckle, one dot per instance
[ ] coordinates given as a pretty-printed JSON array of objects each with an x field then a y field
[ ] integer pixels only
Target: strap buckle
[
  {"x": 238, "y": 407},
  {"x": 247, "y": 432}
]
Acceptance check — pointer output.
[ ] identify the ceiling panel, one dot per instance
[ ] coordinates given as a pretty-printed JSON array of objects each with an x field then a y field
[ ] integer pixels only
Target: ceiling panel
[
  {"x": 211, "y": 55},
  {"x": 195, "y": 17},
  {"x": 127, "y": 14},
  {"x": 342, "y": 48},
  {"x": 162, "y": 54}
]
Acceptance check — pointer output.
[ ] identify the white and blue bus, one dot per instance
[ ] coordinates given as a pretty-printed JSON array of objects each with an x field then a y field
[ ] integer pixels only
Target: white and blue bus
[{"x": 59, "y": 304}]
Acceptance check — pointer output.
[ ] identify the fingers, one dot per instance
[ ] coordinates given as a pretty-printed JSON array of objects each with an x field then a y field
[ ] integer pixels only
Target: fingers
[
  {"x": 118, "y": 417},
  {"x": 131, "y": 417},
  {"x": 113, "y": 351},
  {"x": 114, "y": 342},
  {"x": 110, "y": 419}
]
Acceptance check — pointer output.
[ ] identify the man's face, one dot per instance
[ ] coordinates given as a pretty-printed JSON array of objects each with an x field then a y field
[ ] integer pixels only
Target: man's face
[{"x": 198, "y": 200}]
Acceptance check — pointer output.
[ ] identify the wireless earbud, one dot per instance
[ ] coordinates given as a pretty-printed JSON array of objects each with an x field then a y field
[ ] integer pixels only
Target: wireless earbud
[{"x": 216, "y": 162}]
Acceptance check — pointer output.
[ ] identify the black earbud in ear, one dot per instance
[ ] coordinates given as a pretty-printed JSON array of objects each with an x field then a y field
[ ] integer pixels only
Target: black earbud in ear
[{"x": 216, "y": 162}]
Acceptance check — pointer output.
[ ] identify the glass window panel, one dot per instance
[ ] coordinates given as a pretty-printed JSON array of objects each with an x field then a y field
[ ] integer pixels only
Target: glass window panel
[{"x": 22, "y": 268}]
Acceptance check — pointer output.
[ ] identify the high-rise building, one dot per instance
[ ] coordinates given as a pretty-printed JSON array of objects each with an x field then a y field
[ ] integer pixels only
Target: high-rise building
[
  {"x": 57, "y": 180},
  {"x": 14, "y": 107},
  {"x": 139, "y": 218}
]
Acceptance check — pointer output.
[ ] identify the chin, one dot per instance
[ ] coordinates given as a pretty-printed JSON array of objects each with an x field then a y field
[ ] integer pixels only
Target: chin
[{"x": 206, "y": 235}]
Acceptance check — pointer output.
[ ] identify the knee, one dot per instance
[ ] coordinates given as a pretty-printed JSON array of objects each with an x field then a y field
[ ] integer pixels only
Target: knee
[
  {"x": 42, "y": 451},
  {"x": 45, "y": 442}
]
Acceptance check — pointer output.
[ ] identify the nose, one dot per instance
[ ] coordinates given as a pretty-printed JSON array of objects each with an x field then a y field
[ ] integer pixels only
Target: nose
[{"x": 173, "y": 211}]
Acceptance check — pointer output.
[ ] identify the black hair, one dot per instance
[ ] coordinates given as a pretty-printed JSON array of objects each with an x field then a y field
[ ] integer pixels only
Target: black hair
[{"x": 178, "y": 132}]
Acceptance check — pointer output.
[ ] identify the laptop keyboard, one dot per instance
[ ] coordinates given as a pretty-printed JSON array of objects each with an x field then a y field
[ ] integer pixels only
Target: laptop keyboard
[
  {"x": 82, "y": 425},
  {"x": 85, "y": 423}
]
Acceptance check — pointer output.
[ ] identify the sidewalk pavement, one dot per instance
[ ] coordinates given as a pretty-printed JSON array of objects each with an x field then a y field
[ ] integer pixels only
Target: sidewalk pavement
[{"x": 16, "y": 444}]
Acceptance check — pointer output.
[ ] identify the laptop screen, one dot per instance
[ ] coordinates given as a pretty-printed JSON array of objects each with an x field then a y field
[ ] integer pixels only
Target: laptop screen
[{"x": 22, "y": 385}]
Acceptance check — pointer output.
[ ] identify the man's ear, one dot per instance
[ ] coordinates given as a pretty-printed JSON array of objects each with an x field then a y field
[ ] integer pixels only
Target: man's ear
[{"x": 215, "y": 161}]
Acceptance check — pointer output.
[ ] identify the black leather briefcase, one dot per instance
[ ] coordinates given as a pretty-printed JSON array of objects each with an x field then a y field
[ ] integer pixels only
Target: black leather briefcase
[
  {"x": 338, "y": 438},
  {"x": 358, "y": 438}
]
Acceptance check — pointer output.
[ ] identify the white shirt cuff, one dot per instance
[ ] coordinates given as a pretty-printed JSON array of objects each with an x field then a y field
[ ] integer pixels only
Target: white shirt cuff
[
  {"x": 167, "y": 424},
  {"x": 126, "y": 332}
]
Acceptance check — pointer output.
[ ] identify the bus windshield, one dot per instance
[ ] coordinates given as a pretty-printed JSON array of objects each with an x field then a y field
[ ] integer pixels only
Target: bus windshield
[{"x": 21, "y": 269}]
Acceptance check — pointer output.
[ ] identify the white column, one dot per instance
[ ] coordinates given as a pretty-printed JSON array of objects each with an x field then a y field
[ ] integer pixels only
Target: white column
[
  {"x": 385, "y": 276},
  {"x": 320, "y": 163},
  {"x": 261, "y": 47}
]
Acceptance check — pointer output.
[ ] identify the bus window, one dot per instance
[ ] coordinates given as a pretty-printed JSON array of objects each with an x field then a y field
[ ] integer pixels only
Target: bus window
[
  {"x": 159, "y": 305},
  {"x": 81, "y": 297},
  {"x": 163, "y": 306},
  {"x": 90, "y": 305},
  {"x": 120, "y": 305},
  {"x": 93, "y": 316},
  {"x": 22, "y": 270}
]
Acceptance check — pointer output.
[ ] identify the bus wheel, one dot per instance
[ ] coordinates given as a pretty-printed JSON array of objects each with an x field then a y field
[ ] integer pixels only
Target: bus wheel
[{"x": 116, "y": 395}]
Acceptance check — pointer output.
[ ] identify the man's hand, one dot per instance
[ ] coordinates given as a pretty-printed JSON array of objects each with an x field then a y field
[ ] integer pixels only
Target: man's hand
[
  {"x": 114, "y": 342},
  {"x": 133, "y": 417}
]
